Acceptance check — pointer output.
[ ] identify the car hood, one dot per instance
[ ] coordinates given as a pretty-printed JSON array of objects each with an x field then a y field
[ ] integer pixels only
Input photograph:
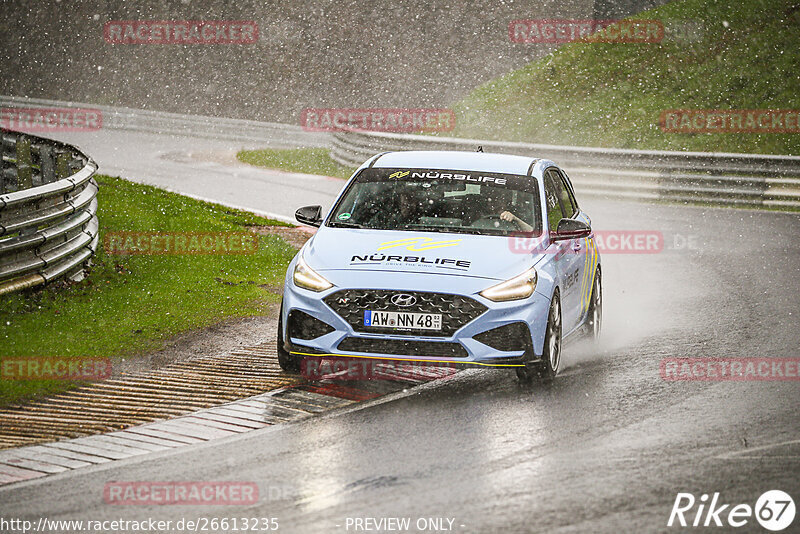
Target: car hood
[{"x": 490, "y": 257}]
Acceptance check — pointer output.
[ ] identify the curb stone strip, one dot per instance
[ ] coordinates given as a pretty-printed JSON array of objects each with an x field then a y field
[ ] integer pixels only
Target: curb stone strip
[
  {"x": 53, "y": 459},
  {"x": 144, "y": 397},
  {"x": 288, "y": 404},
  {"x": 148, "y": 432},
  {"x": 231, "y": 420},
  {"x": 119, "y": 440},
  {"x": 167, "y": 443}
]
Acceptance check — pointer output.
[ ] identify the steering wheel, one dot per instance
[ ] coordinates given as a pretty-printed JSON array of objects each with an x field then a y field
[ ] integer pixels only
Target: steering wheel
[{"x": 494, "y": 221}]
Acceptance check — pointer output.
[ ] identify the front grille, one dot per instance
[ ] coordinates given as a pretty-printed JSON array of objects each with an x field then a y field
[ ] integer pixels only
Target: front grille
[
  {"x": 510, "y": 337},
  {"x": 401, "y": 347},
  {"x": 456, "y": 310},
  {"x": 303, "y": 326}
]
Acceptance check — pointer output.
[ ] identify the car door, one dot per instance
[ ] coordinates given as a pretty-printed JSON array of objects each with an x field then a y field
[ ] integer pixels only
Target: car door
[
  {"x": 587, "y": 251},
  {"x": 570, "y": 253}
]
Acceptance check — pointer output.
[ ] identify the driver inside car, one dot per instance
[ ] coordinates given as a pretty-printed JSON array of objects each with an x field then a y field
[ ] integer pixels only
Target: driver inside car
[
  {"x": 510, "y": 217},
  {"x": 500, "y": 201}
]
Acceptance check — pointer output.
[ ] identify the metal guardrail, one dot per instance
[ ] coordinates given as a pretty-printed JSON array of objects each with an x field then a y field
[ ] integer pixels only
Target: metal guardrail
[
  {"x": 48, "y": 210},
  {"x": 715, "y": 178},
  {"x": 160, "y": 122}
]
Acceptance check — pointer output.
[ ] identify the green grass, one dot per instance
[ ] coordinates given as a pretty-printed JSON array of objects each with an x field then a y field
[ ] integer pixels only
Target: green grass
[
  {"x": 130, "y": 305},
  {"x": 305, "y": 160},
  {"x": 611, "y": 94}
]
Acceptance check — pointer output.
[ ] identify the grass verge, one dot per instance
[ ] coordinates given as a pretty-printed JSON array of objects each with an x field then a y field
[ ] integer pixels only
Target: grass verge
[
  {"x": 612, "y": 94},
  {"x": 305, "y": 160},
  {"x": 130, "y": 305}
]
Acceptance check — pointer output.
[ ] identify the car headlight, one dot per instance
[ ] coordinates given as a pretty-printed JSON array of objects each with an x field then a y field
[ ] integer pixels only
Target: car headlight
[
  {"x": 519, "y": 287},
  {"x": 305, "y": 277}
]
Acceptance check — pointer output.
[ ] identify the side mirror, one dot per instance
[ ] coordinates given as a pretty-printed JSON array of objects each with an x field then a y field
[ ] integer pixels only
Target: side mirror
[
  {"x": 570, "y": 229},
  {"x": 310, "y": 215}
]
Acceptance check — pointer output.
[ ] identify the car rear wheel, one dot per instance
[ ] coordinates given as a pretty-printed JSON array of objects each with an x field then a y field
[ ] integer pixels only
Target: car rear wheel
[
  {"x": 287, "y": 361},
  {"x": 595, "y": 309},
  {"x": 546, "y": 370}
]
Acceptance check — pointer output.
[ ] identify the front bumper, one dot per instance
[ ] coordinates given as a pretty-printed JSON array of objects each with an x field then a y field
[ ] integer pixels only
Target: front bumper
[{"x": 461, "y": 348}]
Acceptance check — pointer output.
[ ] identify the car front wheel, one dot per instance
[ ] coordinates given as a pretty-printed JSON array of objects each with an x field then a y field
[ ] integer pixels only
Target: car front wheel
[{"x": 546, "y": 369}]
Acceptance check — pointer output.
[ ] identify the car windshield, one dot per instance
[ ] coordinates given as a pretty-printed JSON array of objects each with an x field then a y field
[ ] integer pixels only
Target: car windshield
[{"x": 440, "y": 201}]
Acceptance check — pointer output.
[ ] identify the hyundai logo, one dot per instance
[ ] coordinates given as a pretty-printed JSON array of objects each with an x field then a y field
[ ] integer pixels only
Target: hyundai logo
[{"x": 403, "y": 299}]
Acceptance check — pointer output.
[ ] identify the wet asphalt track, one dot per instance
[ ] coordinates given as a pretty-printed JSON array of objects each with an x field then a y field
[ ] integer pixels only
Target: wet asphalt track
[{"x": 605, "y": 449}]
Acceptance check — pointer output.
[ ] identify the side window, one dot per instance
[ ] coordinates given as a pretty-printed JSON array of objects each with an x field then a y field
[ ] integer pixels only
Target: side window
[
  {"x": 554, "y": 211},
  {"x": 567, "y": 207},
  {"x": 570, "y": 191}
]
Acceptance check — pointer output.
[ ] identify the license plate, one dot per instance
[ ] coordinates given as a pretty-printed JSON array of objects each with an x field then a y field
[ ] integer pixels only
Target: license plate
[{"x": 400, "y": 320}]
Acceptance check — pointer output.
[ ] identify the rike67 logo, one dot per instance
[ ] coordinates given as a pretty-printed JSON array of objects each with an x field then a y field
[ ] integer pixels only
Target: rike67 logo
[{"x": 774, "y": 510}]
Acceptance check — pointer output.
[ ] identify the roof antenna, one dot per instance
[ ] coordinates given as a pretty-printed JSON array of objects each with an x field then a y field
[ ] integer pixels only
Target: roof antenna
[{"x": 480, "y": 148}]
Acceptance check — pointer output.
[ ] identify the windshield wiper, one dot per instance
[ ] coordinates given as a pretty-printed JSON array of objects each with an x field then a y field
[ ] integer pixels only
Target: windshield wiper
[
  {"x": 446, "y": 229},
  {"x": 344, "y": 224}
]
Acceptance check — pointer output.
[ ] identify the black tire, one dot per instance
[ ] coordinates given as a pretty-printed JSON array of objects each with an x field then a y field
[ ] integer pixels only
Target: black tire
[
  {"x": 288, "y": 362},
  {"x": 595, "y": 313},
  {"x": 548, "y": 368},
  {"x": 545, "y": 370},
  {"x": 526, "y": 374}
]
